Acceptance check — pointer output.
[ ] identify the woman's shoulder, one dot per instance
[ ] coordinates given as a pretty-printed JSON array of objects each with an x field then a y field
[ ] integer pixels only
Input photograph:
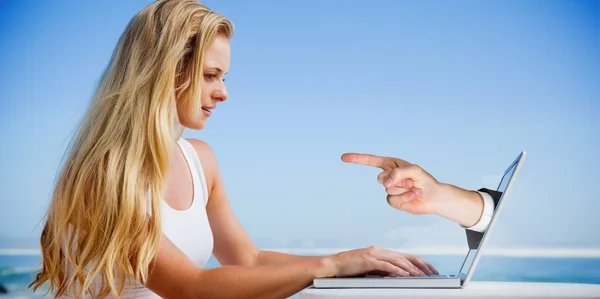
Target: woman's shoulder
[
  {"x": 206, "y": 156},
  {"x": 203, "y": 150}
]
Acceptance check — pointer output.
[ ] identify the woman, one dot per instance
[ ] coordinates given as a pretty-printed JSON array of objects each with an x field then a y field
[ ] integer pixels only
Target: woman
[{"x": 137, "y": 210}]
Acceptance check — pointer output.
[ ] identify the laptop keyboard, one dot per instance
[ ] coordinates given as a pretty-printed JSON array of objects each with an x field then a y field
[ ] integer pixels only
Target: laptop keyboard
[{"x": 426, "y": 276}]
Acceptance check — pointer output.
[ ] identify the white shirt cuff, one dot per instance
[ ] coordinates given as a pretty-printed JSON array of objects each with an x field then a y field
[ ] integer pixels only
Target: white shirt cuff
[{"x": 486, "y": 216}]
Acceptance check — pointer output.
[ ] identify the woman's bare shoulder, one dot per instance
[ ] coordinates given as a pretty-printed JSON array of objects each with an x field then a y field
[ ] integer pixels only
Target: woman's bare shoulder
[
  {"x": 207, "y": 159},
  {"x": 203, "y": 150}
]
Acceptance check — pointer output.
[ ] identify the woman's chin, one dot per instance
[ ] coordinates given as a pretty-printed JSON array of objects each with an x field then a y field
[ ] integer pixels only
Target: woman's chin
[{"x": 198, "y": 124}]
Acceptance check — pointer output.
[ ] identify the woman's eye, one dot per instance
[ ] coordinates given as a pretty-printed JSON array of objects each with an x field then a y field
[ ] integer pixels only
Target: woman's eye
[{"x": 210, "y": 76}]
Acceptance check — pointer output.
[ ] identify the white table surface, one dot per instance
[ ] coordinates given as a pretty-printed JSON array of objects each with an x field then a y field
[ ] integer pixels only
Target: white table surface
[{"x": 474, "y": 289}]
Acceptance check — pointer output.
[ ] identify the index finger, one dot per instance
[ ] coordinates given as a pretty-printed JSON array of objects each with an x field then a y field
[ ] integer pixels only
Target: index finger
[{"x": 364, "y": 159}]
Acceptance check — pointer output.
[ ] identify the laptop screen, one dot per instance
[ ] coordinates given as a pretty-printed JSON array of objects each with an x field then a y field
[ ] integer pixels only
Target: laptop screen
[{"x": 506, "y": 178}]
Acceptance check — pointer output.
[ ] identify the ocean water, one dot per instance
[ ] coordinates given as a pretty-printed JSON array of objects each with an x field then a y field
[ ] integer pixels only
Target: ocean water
[{"x": 16, "y": 272}]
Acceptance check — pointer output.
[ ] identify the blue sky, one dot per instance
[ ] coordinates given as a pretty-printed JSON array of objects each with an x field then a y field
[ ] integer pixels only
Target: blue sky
[{"x": 459, "y": 87}]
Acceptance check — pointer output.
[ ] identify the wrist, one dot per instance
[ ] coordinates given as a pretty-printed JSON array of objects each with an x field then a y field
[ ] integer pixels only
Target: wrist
[
  {"x": 464, "y": 207},
  {"x": 326, "y": 267}
]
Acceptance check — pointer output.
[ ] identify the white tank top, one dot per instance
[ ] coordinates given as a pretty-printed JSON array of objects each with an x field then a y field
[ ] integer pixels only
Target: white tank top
[{"x": 189, "y": 230}]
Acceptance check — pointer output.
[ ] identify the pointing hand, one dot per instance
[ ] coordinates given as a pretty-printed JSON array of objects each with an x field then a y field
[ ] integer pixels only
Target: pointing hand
[{"x": 409, "y": 187}]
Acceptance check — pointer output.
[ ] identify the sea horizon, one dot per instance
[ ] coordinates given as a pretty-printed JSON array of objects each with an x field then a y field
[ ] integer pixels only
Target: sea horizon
[
  {"x": 17, "y": 271},
  {"x": 556, "y": 252}
]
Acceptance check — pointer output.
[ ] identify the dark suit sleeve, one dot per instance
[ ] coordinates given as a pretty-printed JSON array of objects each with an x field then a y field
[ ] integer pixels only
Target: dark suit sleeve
[{"x": 473, "y": 237}]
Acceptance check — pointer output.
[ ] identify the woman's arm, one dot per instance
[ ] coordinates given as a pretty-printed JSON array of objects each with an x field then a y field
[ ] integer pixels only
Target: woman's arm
[
  {"x": 274, "y": 257},
  {"x": 173, "y": 275}
]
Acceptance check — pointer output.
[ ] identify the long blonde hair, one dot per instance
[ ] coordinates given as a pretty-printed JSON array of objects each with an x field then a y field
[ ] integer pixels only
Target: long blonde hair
[{"x": 104, "y": 219}]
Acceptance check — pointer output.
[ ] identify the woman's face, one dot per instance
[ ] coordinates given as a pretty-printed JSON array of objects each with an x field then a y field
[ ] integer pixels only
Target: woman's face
[{"x": 213, "y": 91}]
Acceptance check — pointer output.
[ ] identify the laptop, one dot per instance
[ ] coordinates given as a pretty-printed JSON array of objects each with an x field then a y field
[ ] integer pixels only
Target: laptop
[{"x": 458, "y": 280}]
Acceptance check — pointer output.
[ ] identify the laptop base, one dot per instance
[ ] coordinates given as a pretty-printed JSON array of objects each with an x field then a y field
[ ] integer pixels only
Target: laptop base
[{"x": 388, "y": 282}]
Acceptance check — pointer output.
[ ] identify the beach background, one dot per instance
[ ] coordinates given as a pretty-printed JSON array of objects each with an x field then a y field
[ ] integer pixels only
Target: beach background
[
  {"x": 458, "y": 87},
  {"x": 16, "y": 271}
]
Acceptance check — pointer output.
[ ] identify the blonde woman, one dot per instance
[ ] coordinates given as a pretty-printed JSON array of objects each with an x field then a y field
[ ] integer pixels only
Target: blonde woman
[{"x": 137, "y": 210}]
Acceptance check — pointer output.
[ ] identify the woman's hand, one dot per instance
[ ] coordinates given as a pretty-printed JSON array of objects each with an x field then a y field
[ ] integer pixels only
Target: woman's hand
[{"x": 376, "y": 259}]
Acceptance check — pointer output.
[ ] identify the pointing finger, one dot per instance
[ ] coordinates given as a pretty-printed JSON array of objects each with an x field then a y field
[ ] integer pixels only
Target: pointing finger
[{"x": 364, "y": 159}]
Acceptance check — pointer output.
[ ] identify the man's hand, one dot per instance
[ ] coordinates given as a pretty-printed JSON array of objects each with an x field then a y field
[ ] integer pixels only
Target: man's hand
[
  {"x": 409, "y": 187},
  {"x": 413, "y": 190}
]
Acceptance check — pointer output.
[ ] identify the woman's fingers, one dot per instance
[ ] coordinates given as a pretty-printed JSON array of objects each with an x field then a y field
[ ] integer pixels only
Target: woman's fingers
[
  {"x": 384, "y": 260},
  {"x": 395, "y": 263},
  {"x": 408, "y": 266},
  {"x": 422, "y": 264},
  {"x": 377, "y": 260},
  {"x": 433, "y": 269},
  {"x": 381, "y": 265},
  {"x": 414, "y": 268},
  {"x": 400, "y": 260}
]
